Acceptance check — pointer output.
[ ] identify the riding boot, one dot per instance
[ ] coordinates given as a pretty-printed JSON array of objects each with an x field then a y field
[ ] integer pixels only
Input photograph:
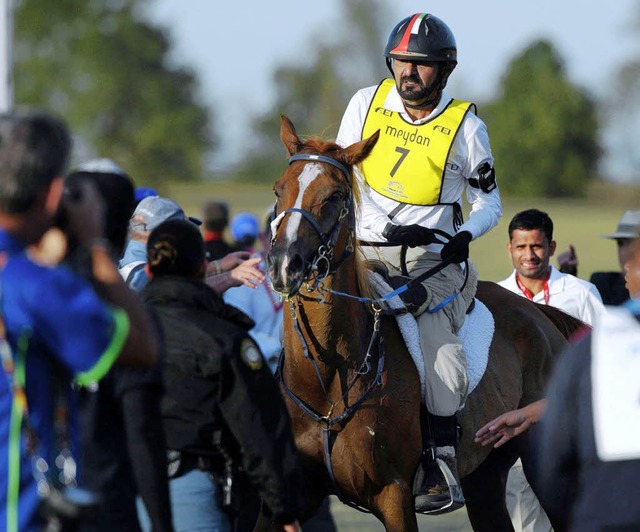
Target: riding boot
[{"x": 436, "y": 486}]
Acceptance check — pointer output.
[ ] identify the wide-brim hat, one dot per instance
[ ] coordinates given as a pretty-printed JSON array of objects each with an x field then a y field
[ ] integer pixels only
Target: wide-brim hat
[{"x": 628, "y": 226}]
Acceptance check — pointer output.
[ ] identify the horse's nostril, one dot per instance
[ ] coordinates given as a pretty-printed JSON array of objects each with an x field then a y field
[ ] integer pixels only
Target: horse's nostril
[{"x": 296, "y": 265}]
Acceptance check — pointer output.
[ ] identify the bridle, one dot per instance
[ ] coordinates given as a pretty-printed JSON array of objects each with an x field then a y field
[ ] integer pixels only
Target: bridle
[{"x": 321, "y": 266}]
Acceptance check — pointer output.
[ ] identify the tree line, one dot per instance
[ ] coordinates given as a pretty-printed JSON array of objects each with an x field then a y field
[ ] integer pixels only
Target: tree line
[{"x": 104, "y": 66}]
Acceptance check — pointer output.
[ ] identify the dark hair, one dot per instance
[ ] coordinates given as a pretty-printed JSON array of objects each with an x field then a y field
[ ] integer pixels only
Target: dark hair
[
  {"x": 118, "y": 193},
  {"x": 532, "y": 219},
  {"x": 216, "y": 216},
  {"x": 34, "y": 149},
  {"x": 176, "y": 247}
]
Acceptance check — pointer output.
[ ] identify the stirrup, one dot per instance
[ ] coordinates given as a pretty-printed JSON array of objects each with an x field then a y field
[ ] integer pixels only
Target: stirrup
[{"x": 456, "y": 498}]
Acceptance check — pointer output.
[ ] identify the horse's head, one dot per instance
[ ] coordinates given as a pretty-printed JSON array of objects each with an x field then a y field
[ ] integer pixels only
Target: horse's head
[{"x": 314, "y": 226}]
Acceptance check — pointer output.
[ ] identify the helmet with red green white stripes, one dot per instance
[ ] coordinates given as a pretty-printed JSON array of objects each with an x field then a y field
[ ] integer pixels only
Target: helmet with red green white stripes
[{"x": 422, "y": 37}]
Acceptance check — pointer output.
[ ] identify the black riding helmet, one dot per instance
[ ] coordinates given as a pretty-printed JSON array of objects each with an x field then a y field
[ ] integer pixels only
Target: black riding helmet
[{"x": 423, "y": 37}]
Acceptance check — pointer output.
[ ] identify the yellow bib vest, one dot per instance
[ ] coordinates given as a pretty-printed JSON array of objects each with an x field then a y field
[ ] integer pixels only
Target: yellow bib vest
[{"x": 408, "y": 162}]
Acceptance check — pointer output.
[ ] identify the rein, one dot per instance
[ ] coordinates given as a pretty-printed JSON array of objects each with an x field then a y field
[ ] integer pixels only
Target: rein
[{"x": 327, "y": 421}]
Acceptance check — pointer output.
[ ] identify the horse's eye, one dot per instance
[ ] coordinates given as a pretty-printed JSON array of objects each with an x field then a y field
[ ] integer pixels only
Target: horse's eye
[{"x": 336, "y": 196}]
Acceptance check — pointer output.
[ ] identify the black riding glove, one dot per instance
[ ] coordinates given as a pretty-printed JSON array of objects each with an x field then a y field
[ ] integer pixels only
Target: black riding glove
[
  {"x": 457, "y": 248},
  {"x": 409, "y": 235}
]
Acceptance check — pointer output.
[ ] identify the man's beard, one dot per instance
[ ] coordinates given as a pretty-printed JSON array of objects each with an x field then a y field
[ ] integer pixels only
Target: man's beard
[{"x": 418, "y": 92}]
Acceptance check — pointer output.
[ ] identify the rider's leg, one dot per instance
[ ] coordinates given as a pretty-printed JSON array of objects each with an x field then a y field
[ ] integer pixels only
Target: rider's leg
[
  {"x": 446, "y": 376},
  {"x": 447, "y": 383}
]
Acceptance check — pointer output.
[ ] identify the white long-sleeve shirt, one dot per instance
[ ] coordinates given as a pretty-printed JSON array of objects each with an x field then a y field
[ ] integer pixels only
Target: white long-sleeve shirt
[{"x": 470, "y": 150}]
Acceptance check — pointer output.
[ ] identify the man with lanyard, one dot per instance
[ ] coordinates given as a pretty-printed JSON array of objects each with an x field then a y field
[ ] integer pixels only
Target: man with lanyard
[
  {"x": 531, "y": 246},
  {"x": 55, "y": 327},
  {"x": 589, "y": 436},
  {"x": 431, "y": 148}
]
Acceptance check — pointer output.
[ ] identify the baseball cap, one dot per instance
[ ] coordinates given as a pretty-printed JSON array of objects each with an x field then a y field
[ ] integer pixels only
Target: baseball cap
[
  {"x": 244, "y": 225},
  {"x": 628, "y": 226},
  {"x": 145, "y": 192},
  {"x": 153, "y": 210}
]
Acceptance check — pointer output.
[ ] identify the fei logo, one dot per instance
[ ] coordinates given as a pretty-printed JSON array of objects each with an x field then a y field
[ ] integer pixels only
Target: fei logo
[{"x": 442, "y": 129}]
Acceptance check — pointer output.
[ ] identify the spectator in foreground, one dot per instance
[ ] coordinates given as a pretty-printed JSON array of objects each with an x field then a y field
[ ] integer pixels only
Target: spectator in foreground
[
  {"x": 589, "y": 435},
  {"x": 212, "y": 362},
  {"x": 73, "y": 334},
  {"x": 121, "y": 432}
]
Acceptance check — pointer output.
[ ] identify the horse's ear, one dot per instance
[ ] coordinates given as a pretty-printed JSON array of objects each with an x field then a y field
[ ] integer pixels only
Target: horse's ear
[
  {"x": 358, "y": 152},
  {"x": 289, "y": 137}
]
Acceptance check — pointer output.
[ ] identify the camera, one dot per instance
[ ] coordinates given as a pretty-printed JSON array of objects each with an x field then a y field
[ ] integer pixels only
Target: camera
[
  {"x": 71, "y": 193},
  {"x": 64, "y": 509}
]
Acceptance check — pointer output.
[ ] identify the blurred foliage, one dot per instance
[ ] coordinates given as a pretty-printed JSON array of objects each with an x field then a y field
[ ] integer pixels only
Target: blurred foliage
[
  {"x": 315, "y": 95},
  {"x": 101, "y": 66},
  {"x": 622, "y": 108},
  {"x": 543, "y": 129}
]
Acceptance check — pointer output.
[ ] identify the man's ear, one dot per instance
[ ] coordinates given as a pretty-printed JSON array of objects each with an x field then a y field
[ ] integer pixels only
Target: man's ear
[
  {"x": 552, "y": 248},
  {"x": 147, "y": 270}
]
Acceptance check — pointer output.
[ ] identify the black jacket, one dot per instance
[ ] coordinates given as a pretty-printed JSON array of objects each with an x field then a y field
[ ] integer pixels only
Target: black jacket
[{"x": 215, "y": 378}]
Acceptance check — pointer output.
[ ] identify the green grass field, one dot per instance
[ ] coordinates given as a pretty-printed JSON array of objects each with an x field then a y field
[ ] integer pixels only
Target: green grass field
[{"x": 577, "y": 222}]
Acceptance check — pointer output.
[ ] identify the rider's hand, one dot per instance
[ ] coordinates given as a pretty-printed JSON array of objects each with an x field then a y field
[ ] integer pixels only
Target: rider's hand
[
  {"x": 409, "y": 235},
  {"x": 457, "y": 248}
]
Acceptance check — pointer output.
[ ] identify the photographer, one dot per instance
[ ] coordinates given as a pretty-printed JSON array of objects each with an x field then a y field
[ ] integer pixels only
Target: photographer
[
  {"x": 122, "y": 438},
  {"x": 52, "y": 316},
  {"x": 240, "y": 426}
]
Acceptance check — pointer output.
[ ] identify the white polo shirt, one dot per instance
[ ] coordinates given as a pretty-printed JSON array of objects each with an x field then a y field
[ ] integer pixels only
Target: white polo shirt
[{"x": 574, "y": 296}]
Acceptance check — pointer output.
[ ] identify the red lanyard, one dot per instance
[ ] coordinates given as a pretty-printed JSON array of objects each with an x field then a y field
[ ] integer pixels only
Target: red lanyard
[{"x": 529, "y": 294}]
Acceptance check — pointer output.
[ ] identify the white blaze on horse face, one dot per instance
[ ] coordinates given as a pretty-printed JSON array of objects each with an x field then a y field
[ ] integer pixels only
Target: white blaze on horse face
[{"x": 306, "y": 177}]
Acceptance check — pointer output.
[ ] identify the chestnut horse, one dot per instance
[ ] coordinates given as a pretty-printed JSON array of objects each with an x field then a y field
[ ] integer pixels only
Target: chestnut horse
[{"x": 351, "y": 387}]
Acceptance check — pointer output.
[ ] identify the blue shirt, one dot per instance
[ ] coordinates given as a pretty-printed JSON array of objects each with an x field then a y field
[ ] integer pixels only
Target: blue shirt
[{"x": 51, "y": 315}]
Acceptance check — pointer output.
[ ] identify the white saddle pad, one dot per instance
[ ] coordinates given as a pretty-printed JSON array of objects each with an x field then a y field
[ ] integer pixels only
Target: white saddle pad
[{"x": 476, "y": 335}]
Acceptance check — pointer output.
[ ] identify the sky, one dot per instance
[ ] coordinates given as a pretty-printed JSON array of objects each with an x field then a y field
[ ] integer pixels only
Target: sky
[{"x": 234, "y": 46}]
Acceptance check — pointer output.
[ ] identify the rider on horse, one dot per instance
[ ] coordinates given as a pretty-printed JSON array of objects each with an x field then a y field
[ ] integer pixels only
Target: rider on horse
[{"x": 431, "y": 148}]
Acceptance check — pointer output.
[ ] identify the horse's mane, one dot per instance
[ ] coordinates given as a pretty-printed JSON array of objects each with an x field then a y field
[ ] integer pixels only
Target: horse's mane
[{"x": 329, "y": 148}]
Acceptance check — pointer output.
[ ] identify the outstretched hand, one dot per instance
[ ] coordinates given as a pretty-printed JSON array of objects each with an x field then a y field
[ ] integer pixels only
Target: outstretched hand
[{"x": 510, "y": 424}]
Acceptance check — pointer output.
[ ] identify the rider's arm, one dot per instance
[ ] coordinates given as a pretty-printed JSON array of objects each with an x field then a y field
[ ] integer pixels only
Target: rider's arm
[{"x": 473, "y": 151}]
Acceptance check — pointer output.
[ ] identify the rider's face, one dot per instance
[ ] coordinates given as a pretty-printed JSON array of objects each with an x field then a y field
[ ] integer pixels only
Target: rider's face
[
  {"x": 414, "y": 79},
  {"x": 530, "y": 252}
]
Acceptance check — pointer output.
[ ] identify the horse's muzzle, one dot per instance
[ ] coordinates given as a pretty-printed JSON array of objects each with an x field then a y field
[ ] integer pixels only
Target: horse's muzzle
[{"x": 287, "y": 269}]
